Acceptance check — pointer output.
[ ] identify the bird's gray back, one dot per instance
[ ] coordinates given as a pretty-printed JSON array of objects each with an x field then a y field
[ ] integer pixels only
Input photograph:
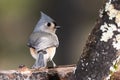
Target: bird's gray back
[{"x": 42, "y": 40}]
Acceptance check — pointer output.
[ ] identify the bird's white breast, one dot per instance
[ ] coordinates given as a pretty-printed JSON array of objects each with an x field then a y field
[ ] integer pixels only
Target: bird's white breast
[
  {"x": 50, "y": 53},
  {"x": 33, "y": 53}
]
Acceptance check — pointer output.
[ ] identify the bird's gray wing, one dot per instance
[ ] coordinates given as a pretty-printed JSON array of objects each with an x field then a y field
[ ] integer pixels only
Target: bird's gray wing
[{"x": 42, "y": 40}]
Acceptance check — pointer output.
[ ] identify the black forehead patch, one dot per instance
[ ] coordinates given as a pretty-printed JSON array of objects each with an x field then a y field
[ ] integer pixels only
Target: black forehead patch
[{"x": 55, "y": 23}]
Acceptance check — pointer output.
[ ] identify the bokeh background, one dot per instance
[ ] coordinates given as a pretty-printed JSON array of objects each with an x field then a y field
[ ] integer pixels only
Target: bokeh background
[{"x": 19, "y": 17}]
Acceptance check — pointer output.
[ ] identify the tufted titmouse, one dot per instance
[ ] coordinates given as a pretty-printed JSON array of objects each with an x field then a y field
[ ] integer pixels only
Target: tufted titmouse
[{"x": 43, "y": 41}]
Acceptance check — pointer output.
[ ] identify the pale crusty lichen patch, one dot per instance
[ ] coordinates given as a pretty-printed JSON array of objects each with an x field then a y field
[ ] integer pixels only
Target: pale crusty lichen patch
[
  {"x": 117, "y": 19},
  {"x": 112, "y": 12},
  {"x": 109, "y": 8},
  {"x": 107, "y": 31},
  {"x": 116, "y": 42}
]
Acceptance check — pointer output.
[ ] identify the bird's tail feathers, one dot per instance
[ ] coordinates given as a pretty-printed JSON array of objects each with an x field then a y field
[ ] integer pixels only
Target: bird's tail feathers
[{"x": 39, "y": 61}]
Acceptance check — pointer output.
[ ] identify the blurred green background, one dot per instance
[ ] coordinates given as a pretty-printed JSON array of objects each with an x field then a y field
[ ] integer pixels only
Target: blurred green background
[{"x": 19, "y": 17}]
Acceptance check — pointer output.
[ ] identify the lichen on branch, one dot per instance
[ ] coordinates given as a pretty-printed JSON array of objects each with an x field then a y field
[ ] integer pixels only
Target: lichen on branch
[{"x": 101, "y": 55}]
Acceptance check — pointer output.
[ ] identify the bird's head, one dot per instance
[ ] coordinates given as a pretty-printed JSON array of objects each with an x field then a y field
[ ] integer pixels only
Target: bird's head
[{"x": 46, "y": 24}]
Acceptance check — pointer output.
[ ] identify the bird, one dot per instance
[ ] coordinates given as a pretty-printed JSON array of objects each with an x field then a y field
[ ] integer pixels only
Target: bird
[{"x": 43, "y": 41}]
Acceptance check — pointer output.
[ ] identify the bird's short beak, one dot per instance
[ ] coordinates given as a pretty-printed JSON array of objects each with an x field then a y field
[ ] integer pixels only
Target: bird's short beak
[{"x": 57, "y": 27}]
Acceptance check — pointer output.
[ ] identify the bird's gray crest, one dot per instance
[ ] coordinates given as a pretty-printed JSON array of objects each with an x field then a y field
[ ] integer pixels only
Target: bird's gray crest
[{"x": 44, "y": 18}]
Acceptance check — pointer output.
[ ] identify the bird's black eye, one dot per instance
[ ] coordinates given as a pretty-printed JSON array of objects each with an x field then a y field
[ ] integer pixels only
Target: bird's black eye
[{"x": 48, "y": 24}]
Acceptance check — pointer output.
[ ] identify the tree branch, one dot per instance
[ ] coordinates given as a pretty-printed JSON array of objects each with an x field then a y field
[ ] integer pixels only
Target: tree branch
[
  {"x": 101, "y": 55},
  {"x": 59, "y": 73}
]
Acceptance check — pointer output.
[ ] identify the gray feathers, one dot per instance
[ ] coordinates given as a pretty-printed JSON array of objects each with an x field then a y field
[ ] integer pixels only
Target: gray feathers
[
  {"x": 40, "y": 61},
  {"x": 41, "y": 40},
  {"x": 44, "y": 18}
]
